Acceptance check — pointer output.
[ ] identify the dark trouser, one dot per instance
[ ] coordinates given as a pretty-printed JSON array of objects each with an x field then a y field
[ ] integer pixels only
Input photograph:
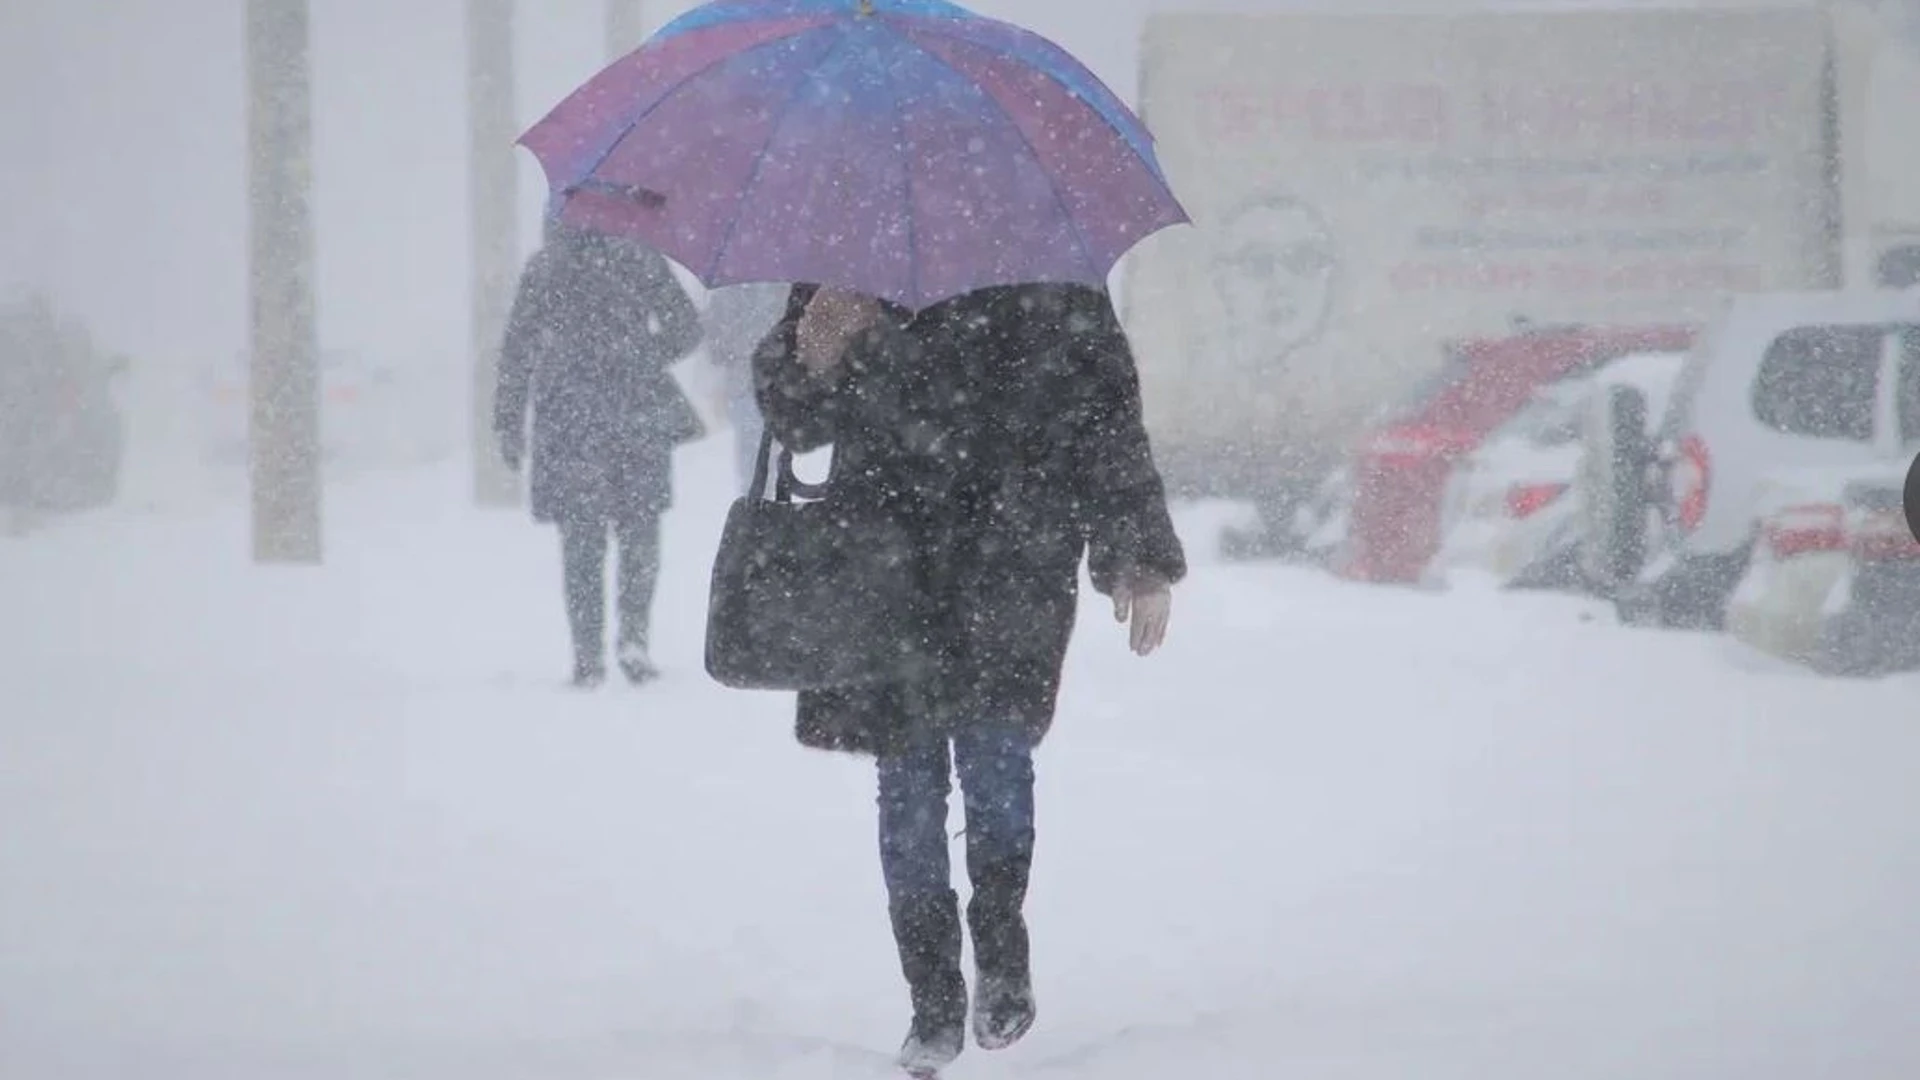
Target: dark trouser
[
  {"x": 16, "y": 450},
  {"x": 583, "y": 556},
  {"x": 996, "y": 783}
]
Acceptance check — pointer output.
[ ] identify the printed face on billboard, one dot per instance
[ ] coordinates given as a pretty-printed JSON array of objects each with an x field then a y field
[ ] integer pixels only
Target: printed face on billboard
[{"x": 1274, "y": 268}]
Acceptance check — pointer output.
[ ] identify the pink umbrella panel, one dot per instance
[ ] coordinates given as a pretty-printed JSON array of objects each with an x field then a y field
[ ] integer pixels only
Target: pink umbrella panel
[{"x": 913, "y": 153}]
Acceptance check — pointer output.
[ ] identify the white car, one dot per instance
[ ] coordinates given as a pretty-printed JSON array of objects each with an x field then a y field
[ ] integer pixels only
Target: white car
[
  {"x": 1834, "y": 579},
  {"x": 1822, "y": 380},
  {"x": 1513, "y": 504},
  {"x": 1321, "y": 522}
]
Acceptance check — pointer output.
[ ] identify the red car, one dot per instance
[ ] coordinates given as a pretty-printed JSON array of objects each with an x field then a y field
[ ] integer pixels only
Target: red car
[{"x": 1400, "y": 469}]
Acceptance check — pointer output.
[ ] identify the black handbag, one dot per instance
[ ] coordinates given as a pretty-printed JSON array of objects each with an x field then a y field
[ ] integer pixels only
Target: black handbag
[{"x": 811, "y": 595}]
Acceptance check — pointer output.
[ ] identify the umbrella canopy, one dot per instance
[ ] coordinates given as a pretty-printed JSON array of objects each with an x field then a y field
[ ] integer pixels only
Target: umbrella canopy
[{"x": 908, "y": 149}]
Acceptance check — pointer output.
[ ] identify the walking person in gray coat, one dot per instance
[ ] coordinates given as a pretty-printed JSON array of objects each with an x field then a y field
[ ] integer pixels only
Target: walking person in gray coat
[{"x": 595, "y": 326}]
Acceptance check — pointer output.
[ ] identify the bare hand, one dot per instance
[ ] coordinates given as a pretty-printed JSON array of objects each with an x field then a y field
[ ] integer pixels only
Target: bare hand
[
  {"x": 832, "y": 319},
  {"x": 1149, "y": 605}
]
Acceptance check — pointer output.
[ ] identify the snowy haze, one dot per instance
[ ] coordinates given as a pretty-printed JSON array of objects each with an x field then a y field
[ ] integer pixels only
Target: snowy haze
[
  {"x": 347, "y": 825},
  {"x": 344, "y": 823},
  {"x": 124, "y": 189}
]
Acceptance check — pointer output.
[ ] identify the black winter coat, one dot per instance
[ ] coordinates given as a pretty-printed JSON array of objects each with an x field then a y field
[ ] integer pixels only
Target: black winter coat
[
  {"x": 1004, "y": 428},
  {"x": 595, "y": 325}
]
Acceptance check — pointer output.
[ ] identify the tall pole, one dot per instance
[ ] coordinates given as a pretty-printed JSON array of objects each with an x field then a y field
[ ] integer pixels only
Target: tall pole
[
  {"x": 626, "y": 27},
  {"x": 493, "y": 176},
  {"x": 284, "y": 377}
]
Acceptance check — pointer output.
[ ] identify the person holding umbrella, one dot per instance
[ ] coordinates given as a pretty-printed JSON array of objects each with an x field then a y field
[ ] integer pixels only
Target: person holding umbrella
[
  {"x": 953, "y": 192},
  {"x": 1003, "y": 427},
  {"x": 595, "y": 324}
]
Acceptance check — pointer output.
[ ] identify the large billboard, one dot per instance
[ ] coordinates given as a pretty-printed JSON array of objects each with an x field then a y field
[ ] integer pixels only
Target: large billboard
[
  {"x": 1365, "y": 187},
  {"x": 1879, "y": 85}
]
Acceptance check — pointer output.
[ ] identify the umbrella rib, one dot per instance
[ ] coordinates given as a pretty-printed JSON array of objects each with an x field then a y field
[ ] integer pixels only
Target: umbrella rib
[
  {"x": 760, "y": 161},
  {"x": 1059, "y": 200},
  {"x": 1095, "y": 94},
  {"x": 906, "y": 180},
  {"x": 628, "y": 128}
]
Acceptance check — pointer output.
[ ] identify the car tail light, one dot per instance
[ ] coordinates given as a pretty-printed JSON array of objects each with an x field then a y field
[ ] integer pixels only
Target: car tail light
[
  {"x": 1526, "y": 500},
  {"x": 1805, "y": 530},
  {"x": 1691, "y": 480},
  {"x": 1879, "y": 535}
]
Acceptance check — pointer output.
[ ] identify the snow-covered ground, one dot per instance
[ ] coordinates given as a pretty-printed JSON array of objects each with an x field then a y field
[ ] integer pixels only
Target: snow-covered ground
[{"x": 346, "y": 823}]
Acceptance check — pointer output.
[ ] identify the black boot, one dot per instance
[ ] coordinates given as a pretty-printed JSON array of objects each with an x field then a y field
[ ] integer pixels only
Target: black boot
[
  {"x": 1003, "y": 1007},
  {"x": 927, "y": 931},
  {"x": 635, "y": 664},
  {"x": 588, "y": 673}
]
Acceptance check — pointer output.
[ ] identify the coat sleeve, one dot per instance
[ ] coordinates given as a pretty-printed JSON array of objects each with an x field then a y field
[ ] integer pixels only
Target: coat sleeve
[
  {"x": 803, "y": 410},
  {"x": 1123, "y": 499},
  {"x": 526, "y": 322}
]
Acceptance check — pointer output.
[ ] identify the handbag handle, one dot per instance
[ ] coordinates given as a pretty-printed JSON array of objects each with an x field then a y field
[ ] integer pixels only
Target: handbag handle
[{"x": 786, "y": 483}]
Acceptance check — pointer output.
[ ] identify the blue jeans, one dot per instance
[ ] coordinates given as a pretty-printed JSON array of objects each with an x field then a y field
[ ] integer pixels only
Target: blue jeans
[
  {"x": 996, "y": 783},
  {"x": 995, "y": 763}
]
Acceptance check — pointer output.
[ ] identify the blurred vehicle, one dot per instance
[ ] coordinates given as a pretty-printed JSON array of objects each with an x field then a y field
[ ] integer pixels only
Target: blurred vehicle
[
  {"x": 1371, "y": 182},
  {"x": 1400, "y": 471},
  {"x": 1318, "y": 526},
  {"x": 1513, "y": 504},
  {"x": 1780, "y": 381},
  {"x": 62, "y": 431},
  {"x": 370, "y": 415},
  {"x": 1834, "y": 579}
]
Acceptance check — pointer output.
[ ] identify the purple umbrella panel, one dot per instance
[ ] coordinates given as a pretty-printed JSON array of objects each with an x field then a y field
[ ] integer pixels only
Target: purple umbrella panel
[{"x": 913, "y": 154}]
